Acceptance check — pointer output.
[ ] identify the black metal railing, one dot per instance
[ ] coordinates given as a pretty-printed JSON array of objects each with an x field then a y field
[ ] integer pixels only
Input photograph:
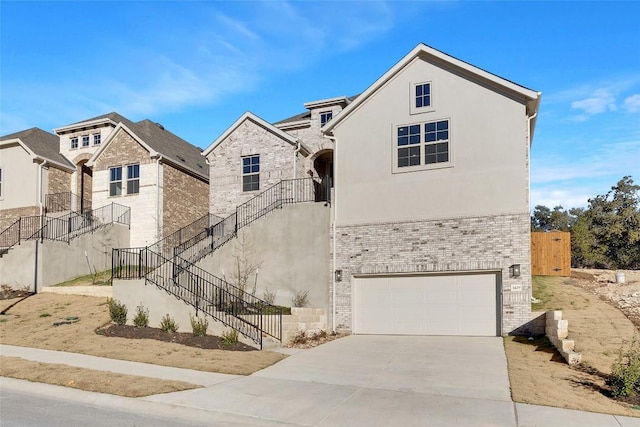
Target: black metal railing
[
  {"x": 209, "y": 294},
  {"x": 64, "y": 228},
  {"x": 170, "y": 261},
  {"x": 66, "y": 201}
]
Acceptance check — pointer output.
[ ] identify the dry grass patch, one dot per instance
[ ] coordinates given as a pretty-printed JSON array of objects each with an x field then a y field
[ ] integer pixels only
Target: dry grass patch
[
  {"x": 88, "y": 379},
  {"x": 31, "y": 324},
  {"x": 539, "y": 375}
]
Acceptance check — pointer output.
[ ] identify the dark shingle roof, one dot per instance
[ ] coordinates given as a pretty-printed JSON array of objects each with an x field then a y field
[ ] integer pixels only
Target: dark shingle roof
[
  {"x": 42, "y": 143},
  {"x": 306, "y": 115},
  {"x": 169, "y": 145}
]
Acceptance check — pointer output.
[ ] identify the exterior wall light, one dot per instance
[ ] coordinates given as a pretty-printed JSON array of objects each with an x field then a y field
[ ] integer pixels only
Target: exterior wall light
[
  {"x": 514, "y": 270},
  {"x": 338, "y": 275}
]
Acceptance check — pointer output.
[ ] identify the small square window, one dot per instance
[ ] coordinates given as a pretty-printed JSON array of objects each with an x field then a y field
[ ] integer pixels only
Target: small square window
[
  {"x": 96, "y": 139},
  {"x": 85, "y": 141},
  {"x": 74, "y": 142},
  {"x": 423, "y": 95},
  {"x": 325, "y": 117}
]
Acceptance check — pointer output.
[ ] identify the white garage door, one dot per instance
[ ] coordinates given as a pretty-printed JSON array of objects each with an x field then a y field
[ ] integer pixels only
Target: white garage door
[{"x": 426, "y": 305}]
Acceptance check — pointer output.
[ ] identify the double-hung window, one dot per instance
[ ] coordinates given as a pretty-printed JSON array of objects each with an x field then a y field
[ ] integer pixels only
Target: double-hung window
[
  {"x": 251, "y": 173},
  {"x": 74, "y": 142},
  {"x": 420, "y": 145},
  {"x": 85, "y": 141},
  {"x": 115, "y": 181},
  {"x": 133, "y": 179},
  {"x": 96, "y": 139}
]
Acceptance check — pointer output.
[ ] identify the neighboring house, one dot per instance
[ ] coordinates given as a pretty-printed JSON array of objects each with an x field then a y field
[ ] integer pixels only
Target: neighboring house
[
  {"x": 161, "y": 177},
  {"x": 430, "y": 211},
  {"x": 30, "y": 168}
]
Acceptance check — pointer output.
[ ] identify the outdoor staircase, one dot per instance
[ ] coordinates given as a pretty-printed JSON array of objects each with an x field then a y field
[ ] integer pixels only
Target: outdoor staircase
[
  {"x": 63, "y": 228},
  {"x": 170, "y": 263}
]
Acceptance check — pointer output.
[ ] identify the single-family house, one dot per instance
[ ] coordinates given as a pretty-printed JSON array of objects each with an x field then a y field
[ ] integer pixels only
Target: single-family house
[{"x": 31, "y": 167}]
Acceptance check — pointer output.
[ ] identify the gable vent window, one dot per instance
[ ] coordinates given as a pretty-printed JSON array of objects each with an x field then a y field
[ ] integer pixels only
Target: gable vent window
[
  {"x": 423, "y": 95},
  {"x": 325, "y": 117},
  {"x": 74, "y": 143},
  {"x": 423, "y": 145},
  {"x": 133, "y": 179},
  {"x": 251, "y": 173}
]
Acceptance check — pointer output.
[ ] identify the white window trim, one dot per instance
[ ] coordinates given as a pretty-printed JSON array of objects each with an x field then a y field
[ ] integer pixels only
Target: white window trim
[
  {"x": 421, "y": 166},
  {"x": 242, "y": 174},
  {"x": 88, "y": 138},
  {"x": 71, "y": 147},
  {"x": 412, "y": 99},
  {"x": 122, "y": 189},
  {"x": 94, "y": 139},
  {"x": 127, "y": 180},
  {"x": 324, "y": 113}
]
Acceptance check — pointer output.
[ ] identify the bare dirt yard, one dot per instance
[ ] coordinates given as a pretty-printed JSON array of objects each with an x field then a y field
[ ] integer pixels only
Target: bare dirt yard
[
  {"x": 42, "y": 321},
  {"x": 537, "y": 372}
]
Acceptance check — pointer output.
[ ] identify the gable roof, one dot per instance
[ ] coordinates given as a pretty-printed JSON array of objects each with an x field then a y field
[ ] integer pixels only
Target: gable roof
[
  {"x": 426, "y": 52},
  {"x": 41, "y": 145},
  {"x": 307, "y": 114},
  {"x": 262, "y": 123},
  {"x": 155, "y": 138}
]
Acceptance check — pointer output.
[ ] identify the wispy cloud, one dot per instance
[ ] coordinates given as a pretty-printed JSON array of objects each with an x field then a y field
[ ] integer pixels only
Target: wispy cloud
[
  {"x": 601, "y": 101},
  {"x": 632, "y": 103}
]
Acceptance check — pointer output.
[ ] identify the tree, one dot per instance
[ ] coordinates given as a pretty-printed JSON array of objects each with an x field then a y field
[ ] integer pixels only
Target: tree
[{"x": 545, "y": 219}]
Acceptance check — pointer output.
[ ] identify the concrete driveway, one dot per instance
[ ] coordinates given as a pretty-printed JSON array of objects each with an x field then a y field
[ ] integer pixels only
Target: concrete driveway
[{"x": 372, "y": 380}]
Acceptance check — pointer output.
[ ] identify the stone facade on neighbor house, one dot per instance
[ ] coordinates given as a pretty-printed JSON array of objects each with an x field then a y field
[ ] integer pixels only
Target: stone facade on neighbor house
[
  {"x": 184, "y": 199},
  {"x": 250, "y": 136},
  {"x": 9, "y": 216},
  {"x": 480, "y": 244}
]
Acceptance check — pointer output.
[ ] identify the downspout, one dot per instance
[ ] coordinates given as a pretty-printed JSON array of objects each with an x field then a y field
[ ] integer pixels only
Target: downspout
[
  {"x": 334, "y": 205},
  {"x": 41, "y": 205},
  {"x": 295, "y": 158},
  {"x": 529, "y": 119},
  {"x": 158, "y": 160}
]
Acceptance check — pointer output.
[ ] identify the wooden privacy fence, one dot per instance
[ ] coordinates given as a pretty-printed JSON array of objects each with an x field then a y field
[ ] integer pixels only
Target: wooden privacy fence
[{"x": 551, "y": 253}]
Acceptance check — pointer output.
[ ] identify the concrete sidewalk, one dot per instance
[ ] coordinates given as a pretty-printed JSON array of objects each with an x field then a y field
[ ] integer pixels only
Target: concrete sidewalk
[{"x": 278, "y": 395}]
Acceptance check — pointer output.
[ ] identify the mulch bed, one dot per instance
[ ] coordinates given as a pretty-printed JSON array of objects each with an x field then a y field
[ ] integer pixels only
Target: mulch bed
[{"x": 207, "y": 342}]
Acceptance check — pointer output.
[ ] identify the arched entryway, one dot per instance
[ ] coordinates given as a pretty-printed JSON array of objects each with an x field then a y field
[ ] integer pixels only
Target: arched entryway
[
  {"x": 323, "y": 169},
  {"x": 85, "y": 186}
]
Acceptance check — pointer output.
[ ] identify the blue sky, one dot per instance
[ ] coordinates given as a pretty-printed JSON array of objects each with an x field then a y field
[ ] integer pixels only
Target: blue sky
[{"x": 197, "y": 66}]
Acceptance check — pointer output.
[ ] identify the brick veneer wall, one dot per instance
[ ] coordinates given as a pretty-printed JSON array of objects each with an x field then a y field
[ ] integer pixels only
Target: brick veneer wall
[
  {"x": 122, "y": 150},
  {"x": 59, "y": 181},
  {"x": 185, "y": 199},
  {"x": 225, "y": 171},
  {"x": 490, "y": 243},
  {"x": 9, "y": 216}
]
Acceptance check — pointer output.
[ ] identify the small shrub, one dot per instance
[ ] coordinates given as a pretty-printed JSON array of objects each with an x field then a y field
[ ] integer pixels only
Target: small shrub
[
  {"x": 199, "y": 326},
  {"x": 625, "y": 371},
  {"x": 141, "y": 319},
  {"x": 300, "y": 299},
  {"x": 269, "y": 296},
  {"x": 229, "y": 337},
  {"x": 167, "y": 324},
  {"x": 117, "y": 311},
  {"x": 300, "y": 338}
]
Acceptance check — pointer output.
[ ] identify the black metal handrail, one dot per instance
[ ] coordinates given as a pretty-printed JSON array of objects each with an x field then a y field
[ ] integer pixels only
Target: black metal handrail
[
  {"x": 64, "y": 228},
  {"x": 207, "y": 293},
  {"x": 66, "y": 201}
]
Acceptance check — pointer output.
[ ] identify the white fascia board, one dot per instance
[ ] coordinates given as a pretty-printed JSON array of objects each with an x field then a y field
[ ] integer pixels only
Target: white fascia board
[
  {"x": 110, "y": 138},
  {"x": 326, "y": 102},
  {"x": 81, "y": 125},
  {"x": 424, "y": 51},
  {"x": 259, "y": 121},
  {"x": 18, "y": 141},
  {"x": 294, "y": 125}
]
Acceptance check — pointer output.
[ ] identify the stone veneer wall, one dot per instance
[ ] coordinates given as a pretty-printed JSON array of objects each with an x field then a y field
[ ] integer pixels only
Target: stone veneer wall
[
  {"x": 225, "y": 171},
  {"x": 490, "y": 243},
  {"x": 185, "y": 199},
  {"x": 59, "y": 181},
  {"x": 9, "y": 216}
]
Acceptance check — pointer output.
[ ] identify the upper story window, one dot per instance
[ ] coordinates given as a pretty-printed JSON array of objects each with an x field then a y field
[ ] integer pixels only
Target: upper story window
[
  {"x": 85, "y": 141},
  {"x": 423, "y": 95},
  {"x": 251, "y": 173},
  {"x": 133, "y": 179},
  {"x": 423, "y": 145},
  {"x": 0, "y": 182},
  {"x": 115, "y": 181},
  {"x": 96, "y": 139},
  {"x": 325, "y": 117},
  {"x": 74, "y": 142}
]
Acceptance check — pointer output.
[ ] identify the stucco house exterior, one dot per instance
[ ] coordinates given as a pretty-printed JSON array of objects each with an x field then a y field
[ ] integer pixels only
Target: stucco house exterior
[
  {"x": 429, "y": 169},
  {"x": 30, "y": 168}
]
